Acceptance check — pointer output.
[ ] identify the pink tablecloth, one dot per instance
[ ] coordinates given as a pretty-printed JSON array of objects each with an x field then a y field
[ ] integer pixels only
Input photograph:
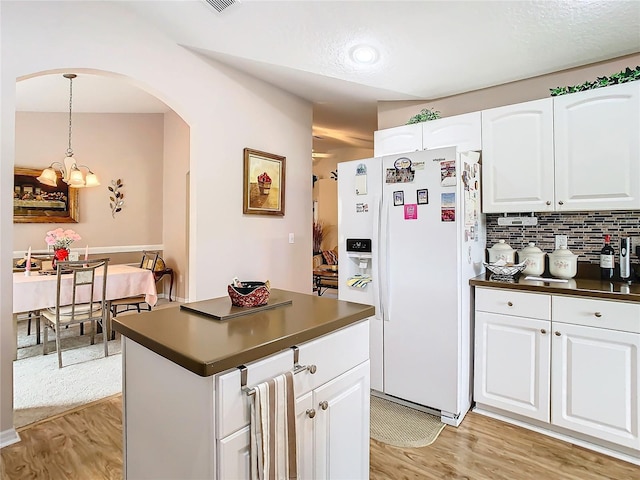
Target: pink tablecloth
[{"x": 36, "y": 292}]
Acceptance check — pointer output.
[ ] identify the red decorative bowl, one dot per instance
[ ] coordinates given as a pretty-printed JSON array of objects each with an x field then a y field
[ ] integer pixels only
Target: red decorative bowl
[{"x": 251, "y": 294}]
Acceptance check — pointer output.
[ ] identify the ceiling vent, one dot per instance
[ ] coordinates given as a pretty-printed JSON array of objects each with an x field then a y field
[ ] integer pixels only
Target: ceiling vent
[{"x": 221, "y": 5}]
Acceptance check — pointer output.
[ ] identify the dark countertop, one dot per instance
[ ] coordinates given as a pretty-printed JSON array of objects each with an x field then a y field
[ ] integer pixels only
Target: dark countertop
[
  {"x": 580, "y": 286},
  {"x": 206, "y": 346}
]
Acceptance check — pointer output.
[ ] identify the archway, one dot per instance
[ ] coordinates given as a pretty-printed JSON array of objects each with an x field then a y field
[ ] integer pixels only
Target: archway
[{"x": 113, "y": 236}]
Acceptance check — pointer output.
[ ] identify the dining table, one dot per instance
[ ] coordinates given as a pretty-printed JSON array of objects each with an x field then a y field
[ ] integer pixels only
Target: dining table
[{"x": 38, "y": 290}]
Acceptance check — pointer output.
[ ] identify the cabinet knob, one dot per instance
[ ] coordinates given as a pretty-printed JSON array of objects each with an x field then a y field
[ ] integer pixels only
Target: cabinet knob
[
  {"x": 312, "y": 369},
  {"x": 543, "y": 331},
  {"x": 324, "y": 405},
  {"x": 558, "y": 334},
  {"x": 548, "y": 202},
  {"x": 598, "y": 314},
  {"x": 311, "y": 413},
  {"x": 560, "y": 202},
  {"x": 510, "y": 304}
]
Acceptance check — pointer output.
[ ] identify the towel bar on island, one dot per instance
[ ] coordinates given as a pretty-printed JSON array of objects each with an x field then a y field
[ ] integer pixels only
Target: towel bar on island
[{"x": 297, "y": 368}]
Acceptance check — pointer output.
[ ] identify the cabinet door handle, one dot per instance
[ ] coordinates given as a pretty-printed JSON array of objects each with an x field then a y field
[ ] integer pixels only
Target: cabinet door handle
[
  {"x": 558, "y": 334},
  {"x": 543, "y": 331},
  {"x": 560, "y": 202},
  {"x": 598, "y": 314},
  {"x": 548, "y": 202},
  {"x": 311, "y": 413},
  {"x": 324, "y": 405},
  {"x": 510, "y": 304},
  {"x": 312, "y": 369}
]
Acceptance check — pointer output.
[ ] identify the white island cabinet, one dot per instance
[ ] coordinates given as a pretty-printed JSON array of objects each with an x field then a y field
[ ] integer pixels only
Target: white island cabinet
[
  {"x": 331, "y": 408},
  {"x": 187, "y": 418}
]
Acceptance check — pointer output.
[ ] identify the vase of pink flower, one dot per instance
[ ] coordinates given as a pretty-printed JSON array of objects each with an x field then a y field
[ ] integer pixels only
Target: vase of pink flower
[
  {"x": 60, "y": 240},
  {"x": 264, "y": 183}
]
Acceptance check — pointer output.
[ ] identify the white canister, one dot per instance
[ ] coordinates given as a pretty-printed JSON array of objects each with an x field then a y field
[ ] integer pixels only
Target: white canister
[
  {"x": 563, "y": 263},
  {"x": 501, "y": 251},
  {"x": 533, "y": 257}
]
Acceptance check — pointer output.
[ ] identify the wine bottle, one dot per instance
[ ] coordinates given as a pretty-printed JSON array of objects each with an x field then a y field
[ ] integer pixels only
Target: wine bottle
[{"x": 606, "y": 259}]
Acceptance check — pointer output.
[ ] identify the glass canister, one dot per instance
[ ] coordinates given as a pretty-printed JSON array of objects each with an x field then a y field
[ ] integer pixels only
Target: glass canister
[{"x": 533, "y": 257}]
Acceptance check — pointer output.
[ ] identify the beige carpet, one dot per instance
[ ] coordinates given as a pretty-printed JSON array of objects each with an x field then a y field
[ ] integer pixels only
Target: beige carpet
[
  {"x": 401, "y": 426},
  {"x": 41, "y": 389}
]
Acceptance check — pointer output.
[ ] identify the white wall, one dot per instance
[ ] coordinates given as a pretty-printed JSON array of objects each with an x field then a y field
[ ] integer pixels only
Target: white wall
[
  {"x": 226, "y": 112},
  {"x": 116, "y": 146},
  {"x": 175, "y": 207}
]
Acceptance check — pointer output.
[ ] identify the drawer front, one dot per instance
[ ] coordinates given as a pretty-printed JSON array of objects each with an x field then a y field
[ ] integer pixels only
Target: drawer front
[
  {"x": 510, "y": 302},
  {"x": 608, "y": 314},
  {"x": 332, "y": 355},
  {"x": 233, "y": 403}
]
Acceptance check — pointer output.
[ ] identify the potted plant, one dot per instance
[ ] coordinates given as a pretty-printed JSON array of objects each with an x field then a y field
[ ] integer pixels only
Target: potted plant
[
  {"x": 318, "y": 235},
  {"x": 425, "y": 115}
]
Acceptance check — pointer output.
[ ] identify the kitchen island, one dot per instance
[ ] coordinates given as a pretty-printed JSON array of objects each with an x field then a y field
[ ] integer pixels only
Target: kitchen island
[
  {"x": 561, "y": 358},
  {"x": 185, "y": 407}
]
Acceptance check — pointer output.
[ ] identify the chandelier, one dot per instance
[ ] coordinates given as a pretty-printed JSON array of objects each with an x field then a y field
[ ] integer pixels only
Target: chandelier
[{"x": 68, "y": 168}]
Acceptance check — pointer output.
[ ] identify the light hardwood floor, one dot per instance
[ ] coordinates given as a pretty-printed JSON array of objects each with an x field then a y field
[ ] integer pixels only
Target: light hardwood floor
[{"x": 87, "y": 444}]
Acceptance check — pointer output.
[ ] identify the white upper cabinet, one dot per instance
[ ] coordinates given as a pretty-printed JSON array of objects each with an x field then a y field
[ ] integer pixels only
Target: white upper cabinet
[
  {"x": 463, "y": 131},
  {"x": 597, "y": 149},
  {"x": 406, "y": 138},
  {"x": 517, "y": 158},
  {"x": 574, "y": 152}
]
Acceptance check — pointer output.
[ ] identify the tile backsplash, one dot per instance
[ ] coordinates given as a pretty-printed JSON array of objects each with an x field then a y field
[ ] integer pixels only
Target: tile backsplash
[{"x": 585, "y": 232}]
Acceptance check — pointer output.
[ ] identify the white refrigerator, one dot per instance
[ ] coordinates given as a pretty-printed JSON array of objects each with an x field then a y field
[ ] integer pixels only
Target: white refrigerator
[{"x": 410, "y": 236}]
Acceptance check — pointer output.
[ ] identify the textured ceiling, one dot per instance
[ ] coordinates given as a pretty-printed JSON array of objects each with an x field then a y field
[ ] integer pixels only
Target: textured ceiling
[{"x": 427, "y": 49}]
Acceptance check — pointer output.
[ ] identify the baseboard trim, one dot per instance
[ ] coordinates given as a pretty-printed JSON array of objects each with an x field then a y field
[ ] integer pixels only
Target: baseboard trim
[{"x": 9, "y": 437}]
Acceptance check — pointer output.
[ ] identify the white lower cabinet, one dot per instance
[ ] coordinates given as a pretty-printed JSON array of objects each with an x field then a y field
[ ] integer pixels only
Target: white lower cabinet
[
  {"x": 332, "y": 409},
  {"x": 575, "y": 368},
  {"x": 512, "y": 364},
  {"x": 594, "y": 382},
  {"x": 234, "y": 455},
  {"x": 341, "y": 430},
  {"x": 305, "y": 414}
]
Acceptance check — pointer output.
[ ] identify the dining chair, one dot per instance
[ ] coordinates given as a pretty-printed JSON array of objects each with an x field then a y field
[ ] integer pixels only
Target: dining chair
[
  {"x": 149, "y": 261},
  {"x": 78, "y": 301}
]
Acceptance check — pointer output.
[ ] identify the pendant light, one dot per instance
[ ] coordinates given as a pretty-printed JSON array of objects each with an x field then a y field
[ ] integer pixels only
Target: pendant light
[{"x": 68, "y": 168}]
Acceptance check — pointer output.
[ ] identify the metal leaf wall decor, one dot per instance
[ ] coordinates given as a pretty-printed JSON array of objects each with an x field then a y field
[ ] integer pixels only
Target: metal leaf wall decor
[{"x": 115, "y": 197}]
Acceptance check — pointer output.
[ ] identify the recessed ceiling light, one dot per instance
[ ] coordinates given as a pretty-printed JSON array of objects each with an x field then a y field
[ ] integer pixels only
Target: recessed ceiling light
[{"x": 364, "y": 54}]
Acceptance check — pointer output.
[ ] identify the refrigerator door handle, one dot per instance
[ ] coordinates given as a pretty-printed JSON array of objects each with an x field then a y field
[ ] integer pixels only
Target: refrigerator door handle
[
  {"x": 377, "y": 292},
  {"x": 382, "y": 258}
]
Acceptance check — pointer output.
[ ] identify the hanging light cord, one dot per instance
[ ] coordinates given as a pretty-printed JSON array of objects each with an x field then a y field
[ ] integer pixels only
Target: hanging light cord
[{"x": 69, "y": 150}]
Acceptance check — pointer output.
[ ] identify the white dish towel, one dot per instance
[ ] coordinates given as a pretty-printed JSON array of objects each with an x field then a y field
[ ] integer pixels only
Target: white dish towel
[{"x": 273, "y": 430}]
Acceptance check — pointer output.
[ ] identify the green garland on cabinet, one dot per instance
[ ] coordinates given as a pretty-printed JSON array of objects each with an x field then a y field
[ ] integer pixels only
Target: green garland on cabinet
[
  {"x": 425, "y": 115},
  {"x": 624, "y": 76}
]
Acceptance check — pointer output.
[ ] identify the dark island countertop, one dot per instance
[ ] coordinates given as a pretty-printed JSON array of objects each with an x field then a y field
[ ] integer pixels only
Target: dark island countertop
[
  {"x": 206, "y": 346},
  {"x": 586, "y": 286}
]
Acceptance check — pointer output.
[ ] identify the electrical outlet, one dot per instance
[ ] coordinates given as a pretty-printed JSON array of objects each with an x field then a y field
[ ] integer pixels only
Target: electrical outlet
[
  {"x": 561, "y": 241},
  {"x": 635, "y": 245}
]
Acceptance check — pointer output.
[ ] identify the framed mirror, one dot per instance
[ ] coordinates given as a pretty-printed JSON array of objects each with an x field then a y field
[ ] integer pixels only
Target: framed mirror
[{"x": 34, "y": 202}]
